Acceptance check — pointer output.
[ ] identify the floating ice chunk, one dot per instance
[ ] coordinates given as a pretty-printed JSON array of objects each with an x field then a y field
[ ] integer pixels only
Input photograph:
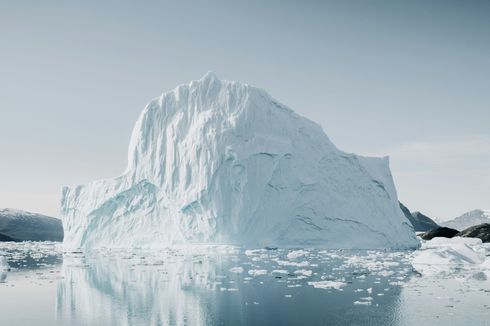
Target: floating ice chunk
[
  {"x": 294, "y": 285},
  {"x": 252, "y": 252},
  {"x": 385, "y": 273},
  {"x": 296, "y": 254},
  {"x": 292, "y": 263},
  {"x": 236, "y": 269},
  {"x": 362, "y": 303},
  {"x": 445, "y": 256},
  {"x": 396, "y": 283},
  {"x": 366, "y": 299},
  {"x": 257, "y": 272},
  {"x": 304, "y": 272},
  {"x": 327, "y": 285},
  {"x": 279, "y": 271}
]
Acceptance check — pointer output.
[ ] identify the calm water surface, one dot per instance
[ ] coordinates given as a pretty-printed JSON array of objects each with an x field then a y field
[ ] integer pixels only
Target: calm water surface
[{"x": 230, "y": 286}]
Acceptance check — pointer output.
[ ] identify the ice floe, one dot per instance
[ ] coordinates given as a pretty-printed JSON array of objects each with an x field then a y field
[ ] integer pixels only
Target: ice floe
[
  {"x": 257, "y": 272},
  {"x": 454, "y": 256},
  {"x": 337, "y": 285}
]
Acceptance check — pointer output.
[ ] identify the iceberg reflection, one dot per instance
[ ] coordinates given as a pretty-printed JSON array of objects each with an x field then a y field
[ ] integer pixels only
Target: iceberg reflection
[
  {"x": 138, "y": 289},
  {"x": 228, "y": 286}
]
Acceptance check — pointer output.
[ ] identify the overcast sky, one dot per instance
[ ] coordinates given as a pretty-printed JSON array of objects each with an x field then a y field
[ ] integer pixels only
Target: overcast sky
[{"x": 407, "y": 79}]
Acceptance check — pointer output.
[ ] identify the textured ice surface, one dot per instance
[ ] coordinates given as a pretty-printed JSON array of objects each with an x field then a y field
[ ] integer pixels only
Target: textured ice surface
[
  {"x": 223, "y": 162},
  {"x": 456, "y": 257}
]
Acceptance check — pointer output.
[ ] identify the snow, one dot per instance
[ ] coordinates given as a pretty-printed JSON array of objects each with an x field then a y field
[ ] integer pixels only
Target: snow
[{"x": 223, "y": 162}]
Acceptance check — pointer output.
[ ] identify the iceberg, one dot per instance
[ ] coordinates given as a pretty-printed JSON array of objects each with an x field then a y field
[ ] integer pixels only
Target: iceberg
[{"x": 222, "y": 162}]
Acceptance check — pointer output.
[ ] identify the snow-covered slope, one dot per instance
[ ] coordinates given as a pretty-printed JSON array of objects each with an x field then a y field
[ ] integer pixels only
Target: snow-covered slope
[
  {"x": 223, "y": 162},
  {"x": 474, "y": 217},
  {"x": 17, "y": 225}
]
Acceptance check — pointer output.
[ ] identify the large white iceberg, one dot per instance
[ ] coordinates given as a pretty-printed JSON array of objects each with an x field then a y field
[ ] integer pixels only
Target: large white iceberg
[{"x": 223, "y": 162}]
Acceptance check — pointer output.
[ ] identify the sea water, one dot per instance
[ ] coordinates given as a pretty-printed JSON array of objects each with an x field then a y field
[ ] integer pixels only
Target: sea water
[{"x": 222, "y": 285}]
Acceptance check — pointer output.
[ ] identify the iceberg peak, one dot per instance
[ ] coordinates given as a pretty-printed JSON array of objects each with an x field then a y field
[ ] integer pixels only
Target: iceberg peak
[{"x": 209, "y": 76}]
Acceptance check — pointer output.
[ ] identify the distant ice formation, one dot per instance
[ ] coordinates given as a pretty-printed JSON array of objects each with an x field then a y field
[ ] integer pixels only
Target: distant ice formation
[
  {"x": 471, "y": 218},
  {"x": 223, "y": 162}
]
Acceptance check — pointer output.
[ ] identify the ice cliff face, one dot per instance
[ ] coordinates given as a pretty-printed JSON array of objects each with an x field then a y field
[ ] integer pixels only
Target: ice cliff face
[{"x": 223, "y": 162}]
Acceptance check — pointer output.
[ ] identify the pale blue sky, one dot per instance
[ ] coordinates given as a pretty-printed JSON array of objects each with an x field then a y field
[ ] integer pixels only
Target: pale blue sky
[{"x": 409, "y": 79}]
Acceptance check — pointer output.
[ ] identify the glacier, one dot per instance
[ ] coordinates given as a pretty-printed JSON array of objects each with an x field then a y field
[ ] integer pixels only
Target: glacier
[{"x": 222, "y": 162}]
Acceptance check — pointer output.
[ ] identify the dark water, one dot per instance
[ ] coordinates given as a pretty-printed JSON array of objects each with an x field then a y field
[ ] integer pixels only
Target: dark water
[{"x": 230, "y": 286}]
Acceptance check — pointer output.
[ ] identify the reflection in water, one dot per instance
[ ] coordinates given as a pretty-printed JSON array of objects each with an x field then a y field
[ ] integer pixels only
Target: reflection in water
[
  {"x": 4, "y": 267},
  {"x": 231, "y": 287},
  {"x": 445, "y": 300},
  {"x": 136, "y": 290}
]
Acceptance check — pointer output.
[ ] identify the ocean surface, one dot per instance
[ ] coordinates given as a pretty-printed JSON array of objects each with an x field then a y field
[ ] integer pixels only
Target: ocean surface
[{"x": 222, "y": 285}]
